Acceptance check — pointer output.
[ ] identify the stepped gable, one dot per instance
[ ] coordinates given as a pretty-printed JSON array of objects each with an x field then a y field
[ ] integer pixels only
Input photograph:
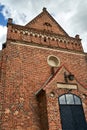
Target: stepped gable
[{"x": 44, "y": 21}]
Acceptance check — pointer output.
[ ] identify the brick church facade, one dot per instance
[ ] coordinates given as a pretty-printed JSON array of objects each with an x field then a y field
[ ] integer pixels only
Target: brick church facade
[{"x": 43, "y": 77}]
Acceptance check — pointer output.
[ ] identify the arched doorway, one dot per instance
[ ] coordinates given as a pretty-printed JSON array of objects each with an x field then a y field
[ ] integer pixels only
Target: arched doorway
[{"x": 71, "y": 112}]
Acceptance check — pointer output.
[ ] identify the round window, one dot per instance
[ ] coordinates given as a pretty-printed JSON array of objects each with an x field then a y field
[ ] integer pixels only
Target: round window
[{"x": 53, "y": 61}]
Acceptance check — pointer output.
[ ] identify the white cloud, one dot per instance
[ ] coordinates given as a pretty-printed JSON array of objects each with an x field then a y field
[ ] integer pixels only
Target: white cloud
[
  {"x": 3, "y": 32},
  {"x": 84, "y": 41},
  {"x": 70, "y": 14}
]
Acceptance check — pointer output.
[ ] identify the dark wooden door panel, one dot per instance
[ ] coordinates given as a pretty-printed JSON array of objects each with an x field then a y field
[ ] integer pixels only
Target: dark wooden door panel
[{"x": 72, "y": 117}]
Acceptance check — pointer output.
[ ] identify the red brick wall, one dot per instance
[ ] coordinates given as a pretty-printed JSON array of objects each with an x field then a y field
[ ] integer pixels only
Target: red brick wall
[
  {"x": 53, "y": 108},
  {"x": 52, "y": 95},
  {"x": 42, "y": 105},
  {"x": 25, "y": 70}
]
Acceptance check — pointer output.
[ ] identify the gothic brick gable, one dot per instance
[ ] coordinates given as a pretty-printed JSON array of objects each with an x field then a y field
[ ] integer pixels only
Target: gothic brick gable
[
  {"x": 34, "y": 65},
  {"x": 43, "y": 31},
  {"x": 44, "y": 21},
  {"x": 61, "y": 80},
  {"x": 61, "y": 76}
]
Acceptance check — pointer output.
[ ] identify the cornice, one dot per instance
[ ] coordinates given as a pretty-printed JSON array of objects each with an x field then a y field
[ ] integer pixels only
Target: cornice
[{"x": 38, "y": 32}]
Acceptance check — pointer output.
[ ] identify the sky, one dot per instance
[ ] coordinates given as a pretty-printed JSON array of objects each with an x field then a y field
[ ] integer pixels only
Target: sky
[{"x": 70, "y": 14}]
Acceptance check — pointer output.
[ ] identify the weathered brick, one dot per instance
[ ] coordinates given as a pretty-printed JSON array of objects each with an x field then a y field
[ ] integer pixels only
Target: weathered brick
[{"x": 25, "y": 93}]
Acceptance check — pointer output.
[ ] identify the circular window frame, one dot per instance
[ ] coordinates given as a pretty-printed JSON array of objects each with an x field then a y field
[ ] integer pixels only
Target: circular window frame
[{"x": 55, "y": 59}]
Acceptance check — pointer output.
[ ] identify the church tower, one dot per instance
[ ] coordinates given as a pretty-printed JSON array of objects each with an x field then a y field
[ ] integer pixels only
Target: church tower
[{"x": 43, "y": 77}]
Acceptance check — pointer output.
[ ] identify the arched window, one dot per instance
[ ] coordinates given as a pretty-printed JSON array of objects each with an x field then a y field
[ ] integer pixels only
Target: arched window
[
  {"x": 69, "y": 99},
  {"x": 71, "y": 112}
]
